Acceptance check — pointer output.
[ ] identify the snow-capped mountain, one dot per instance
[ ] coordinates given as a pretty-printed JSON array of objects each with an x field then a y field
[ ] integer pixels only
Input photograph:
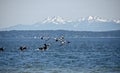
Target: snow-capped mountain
[
  {"x": 116, "y": 21},
  {"x": 90, "y": 23},
  {"x": 60, "y": 20},
  {"x": 94, "y": 19},
  {"x": 97, "y": 19},
  {"x": 55, "y": 20}
]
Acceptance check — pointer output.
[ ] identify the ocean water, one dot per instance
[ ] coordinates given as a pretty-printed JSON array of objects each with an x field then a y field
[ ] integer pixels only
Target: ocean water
[{"x": 82, "y": 55}]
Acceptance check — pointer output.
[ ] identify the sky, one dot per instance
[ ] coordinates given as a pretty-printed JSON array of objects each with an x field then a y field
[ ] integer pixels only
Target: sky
[{"x": 13, "y": 12}]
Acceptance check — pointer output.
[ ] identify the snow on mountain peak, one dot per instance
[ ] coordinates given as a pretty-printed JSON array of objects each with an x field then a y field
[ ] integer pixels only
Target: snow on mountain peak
[
  {"x": 90, "y": 18},
  {"x": 97, "y": 19},
  {"x": 60, "y": 20},
  {"x": 116, "y": 21},
  {"x": 55, "y": 20}
]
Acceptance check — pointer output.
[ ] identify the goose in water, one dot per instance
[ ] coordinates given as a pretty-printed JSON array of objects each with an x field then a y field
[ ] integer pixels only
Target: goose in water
[
  {"x": 56, "y": 39},
  {"x": 45, "y": 47},
  {"x": 59, "y": 39},
  {"x": 62, "y": 40},
  {"x": 1, "y": 49},
  {"x": 41, "y": 37},
  {"x": 22, "y": 48},
  {"x": 68, "y": 42}
]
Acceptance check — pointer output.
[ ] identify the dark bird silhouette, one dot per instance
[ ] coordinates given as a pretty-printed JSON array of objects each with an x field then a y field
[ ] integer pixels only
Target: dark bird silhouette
[
  {"x": 59, "y": 39},
  {"x": 56, "y": 39},
  {"x": 68, "y": 42},
  {"x": 62, "y": 40},
  {"x": 1, "y": 49},
  {"x": 41, "y": 38},
  {"x": 22, "y": 48},
  {"x": 45, "y": 47}
]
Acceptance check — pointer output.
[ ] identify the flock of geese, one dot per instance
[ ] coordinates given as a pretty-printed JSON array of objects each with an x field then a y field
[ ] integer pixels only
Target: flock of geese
[{"x": 45, "y": 46}]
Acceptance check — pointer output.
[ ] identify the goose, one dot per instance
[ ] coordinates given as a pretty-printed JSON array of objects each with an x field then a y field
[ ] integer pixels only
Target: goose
[
  {"x": 59, "y": 39},
  {"x": 45, "y": 47},
  {"x": 1, "y": 49},
  {"x": 22, "y": 48}
]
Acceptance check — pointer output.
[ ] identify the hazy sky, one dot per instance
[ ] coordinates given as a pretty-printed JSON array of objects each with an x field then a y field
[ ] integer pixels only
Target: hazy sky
[{"x": 14, "y": 12}]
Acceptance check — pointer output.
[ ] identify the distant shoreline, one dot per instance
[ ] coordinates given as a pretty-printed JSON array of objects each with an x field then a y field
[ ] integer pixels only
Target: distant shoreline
[
  {"x": 54, "y": 33},
  {"x": 61, "y": 30}
]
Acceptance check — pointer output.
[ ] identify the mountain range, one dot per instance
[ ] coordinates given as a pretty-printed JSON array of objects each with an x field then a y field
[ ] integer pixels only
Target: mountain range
[{"x": 91, "y": 23}]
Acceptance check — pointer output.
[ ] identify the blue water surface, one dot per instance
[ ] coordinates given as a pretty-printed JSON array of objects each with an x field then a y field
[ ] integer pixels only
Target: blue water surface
[{"x": 82, "y": 55}]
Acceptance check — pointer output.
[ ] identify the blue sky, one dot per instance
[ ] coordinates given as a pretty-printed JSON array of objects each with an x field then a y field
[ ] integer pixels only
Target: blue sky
[{"x": 13, "y": 12}]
